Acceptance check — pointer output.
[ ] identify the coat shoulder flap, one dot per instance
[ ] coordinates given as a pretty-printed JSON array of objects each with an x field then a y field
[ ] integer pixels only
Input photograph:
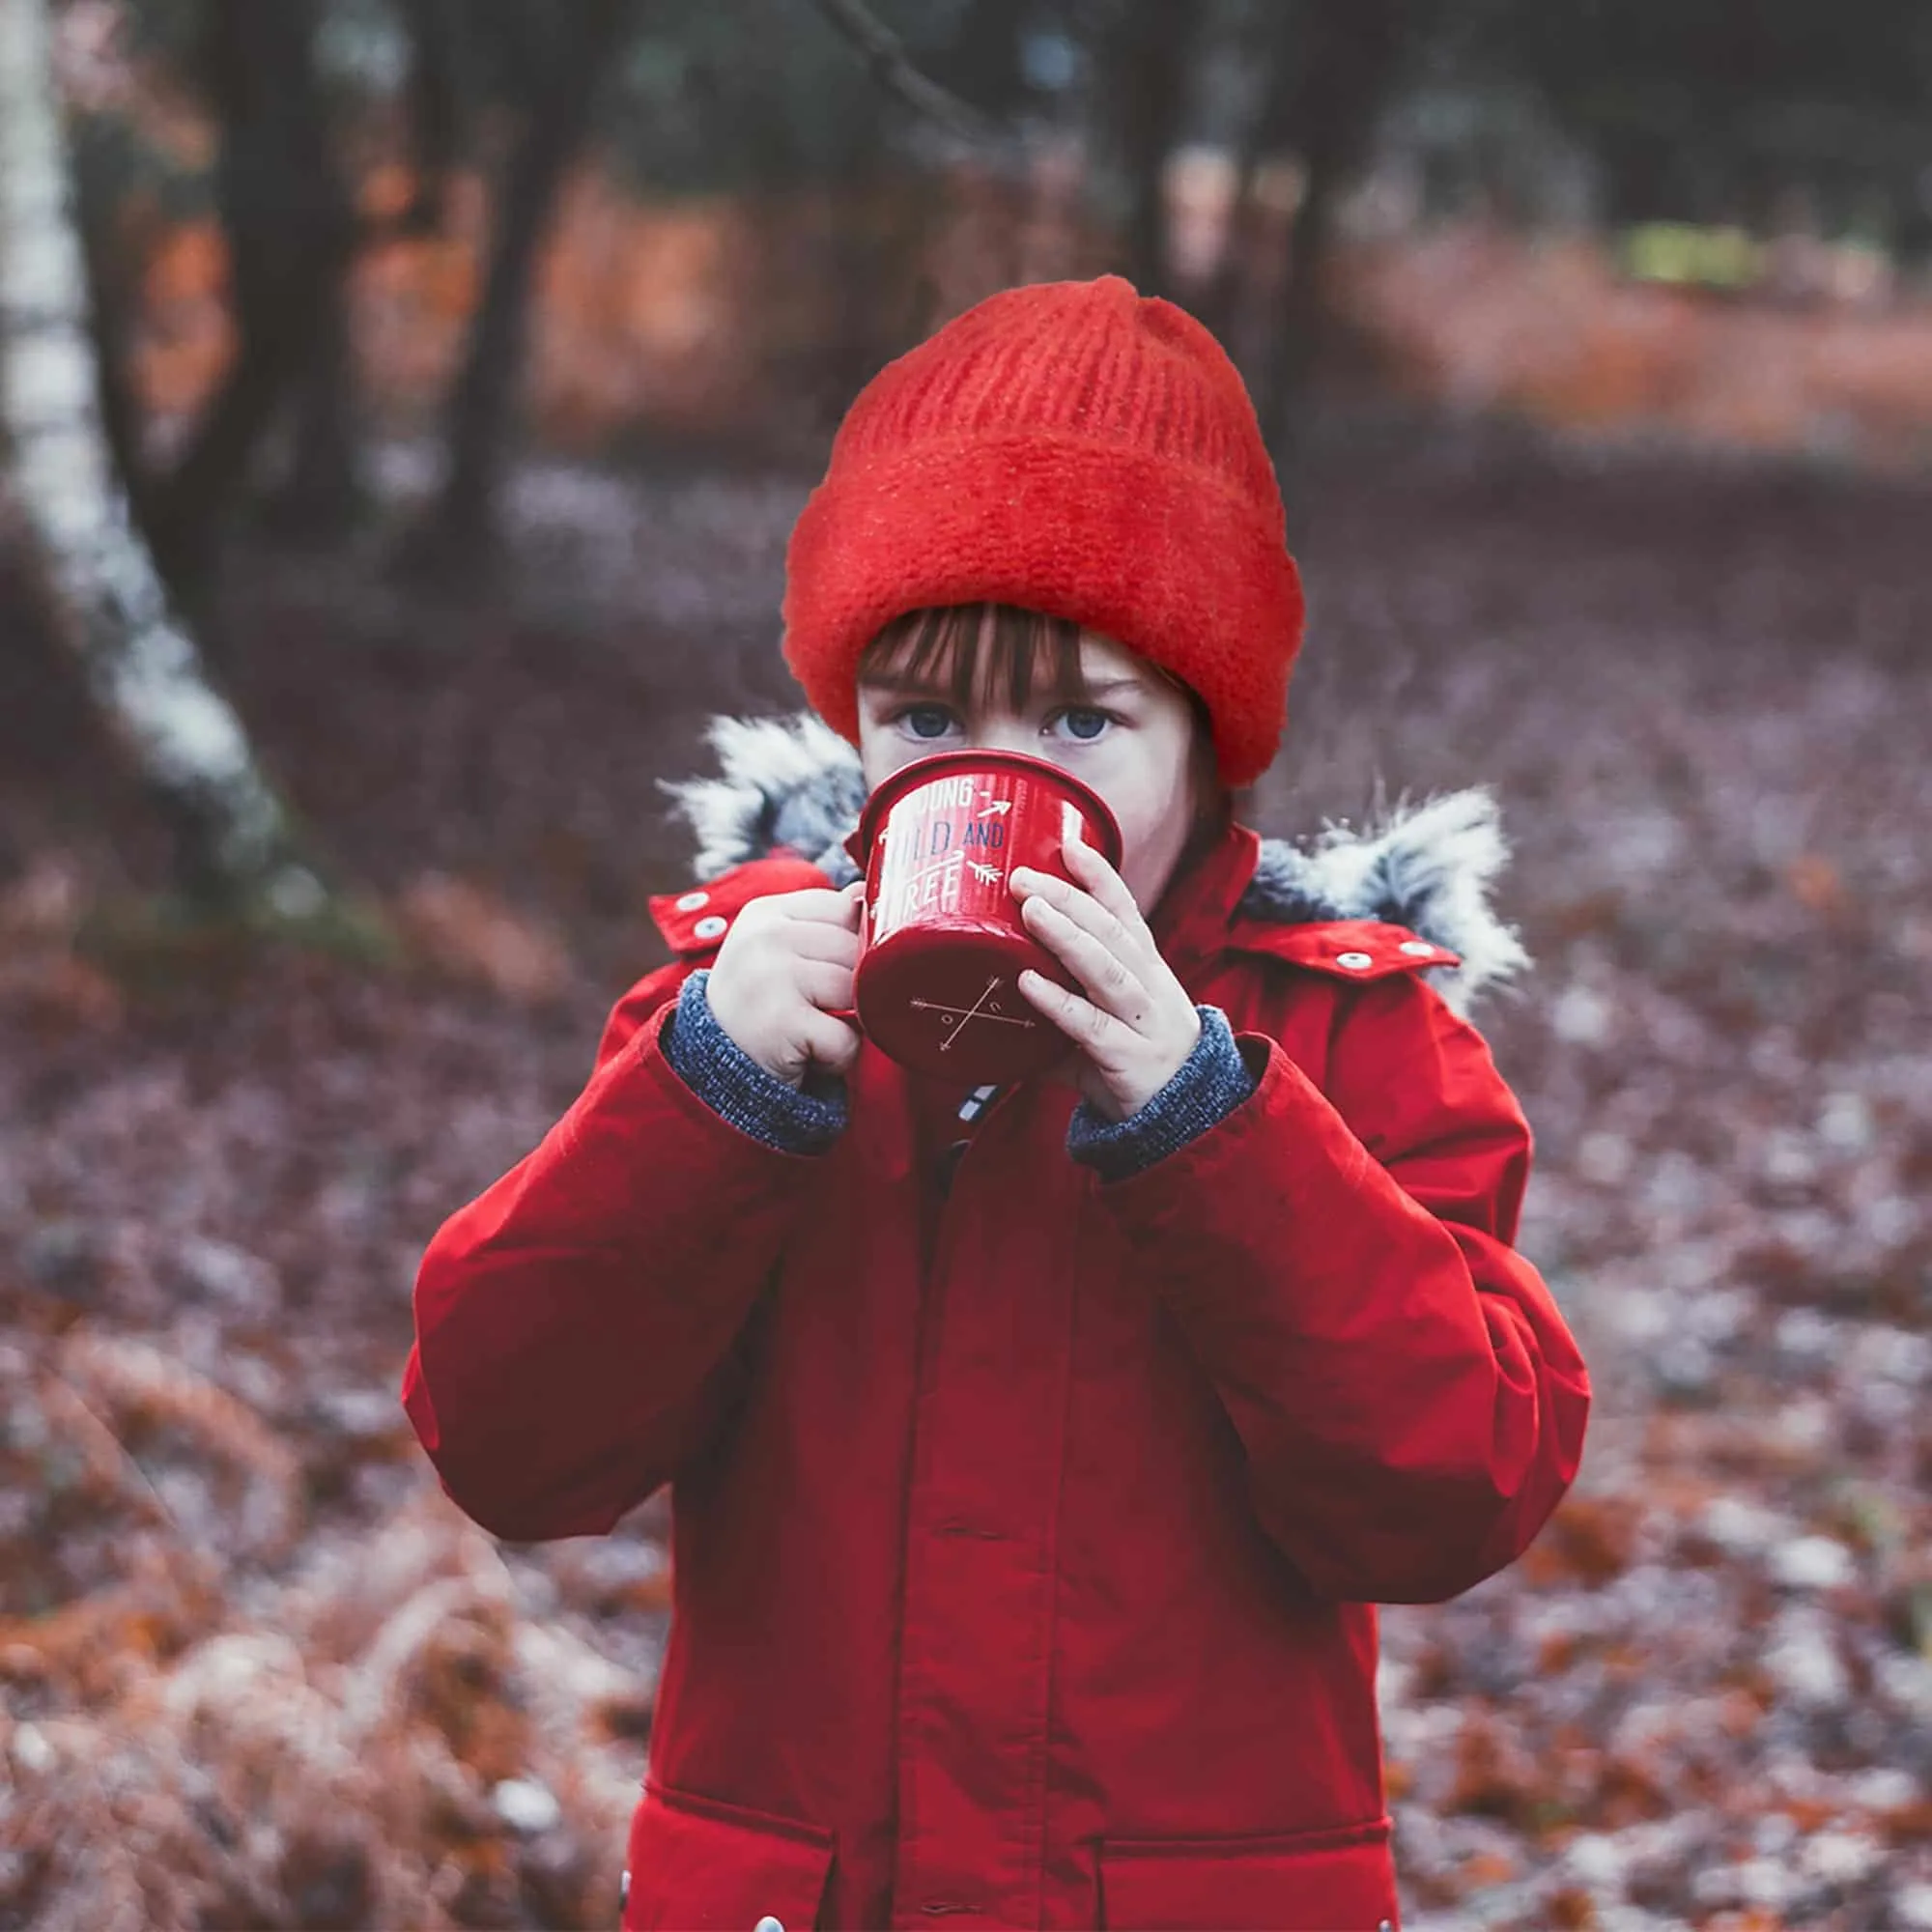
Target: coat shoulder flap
[
  {"x": 693, "y": 921},
  {"x": 1344, "y": 948}
]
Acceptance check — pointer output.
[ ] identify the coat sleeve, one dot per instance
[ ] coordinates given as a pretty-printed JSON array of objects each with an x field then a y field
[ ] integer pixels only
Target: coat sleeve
[
  {"x": 577, "y": 1324},
  {"x": 1412, "y": 1400}
]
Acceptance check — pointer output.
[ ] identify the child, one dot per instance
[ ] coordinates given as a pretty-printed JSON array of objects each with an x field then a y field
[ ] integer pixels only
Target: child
[{"x": 1037, "y": 1458}]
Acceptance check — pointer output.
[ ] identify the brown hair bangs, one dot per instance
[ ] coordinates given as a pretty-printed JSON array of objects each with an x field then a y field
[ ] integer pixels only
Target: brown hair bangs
[
  {"x": 949, "y": 650},
  {"x": 952, "y": 649}
]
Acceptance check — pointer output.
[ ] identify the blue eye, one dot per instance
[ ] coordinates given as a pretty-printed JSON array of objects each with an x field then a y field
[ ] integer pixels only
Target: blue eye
[
  {"x": 1083, "y": 723},
  {"x": 927, "y": 720}
]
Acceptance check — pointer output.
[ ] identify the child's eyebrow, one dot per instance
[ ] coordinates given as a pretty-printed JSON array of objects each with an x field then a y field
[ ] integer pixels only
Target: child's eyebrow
[{"x": 1106, "y": 687}]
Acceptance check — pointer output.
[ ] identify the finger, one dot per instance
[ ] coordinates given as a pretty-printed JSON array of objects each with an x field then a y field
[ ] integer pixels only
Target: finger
[
  {"x": 833, "y": 1043},
  {"x": 1089, "y": 865},
  {"x": 1110, "y": 981},
  {"x": 826, "y": 984},
  {"x": 1080, "y": 906},
  {"x": 819, "y": 904},
  {"x": 1098, "y": 1035},
  {"x": 832, "y": 945}
]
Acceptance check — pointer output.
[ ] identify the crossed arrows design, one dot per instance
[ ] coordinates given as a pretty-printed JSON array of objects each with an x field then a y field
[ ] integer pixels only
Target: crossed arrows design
[{"x": 955, "y": 1018}]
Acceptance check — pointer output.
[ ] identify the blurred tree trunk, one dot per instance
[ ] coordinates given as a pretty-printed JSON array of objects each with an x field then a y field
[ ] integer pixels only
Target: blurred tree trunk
[
  {"x": 1150, "y": 71},
  {"x": 463, "y": 527},
  {"x": 1331, "y": 94},
  {"x": 322, "y": 489},
  {"x": 108, "y": 605},
  {"x": 292, "y": 234},
  {"x": 437, "y": 98},
  {"x": 1221, "y": 303},
  {"x": 321, "y": 492}
]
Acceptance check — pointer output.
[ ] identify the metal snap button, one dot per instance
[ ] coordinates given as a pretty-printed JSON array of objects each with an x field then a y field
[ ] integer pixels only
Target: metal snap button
[
  {"x": 1418, "y": 949},
  {"x": 768, "y": 1924},
  {"x": 691, "y": 901},
  {"x": 1354, "y": 960},
  {"x": 710, "y": 926}
]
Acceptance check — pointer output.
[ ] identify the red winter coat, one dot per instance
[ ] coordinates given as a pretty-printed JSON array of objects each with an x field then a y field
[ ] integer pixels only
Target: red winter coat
[{"x": 1031, "y": 1584}]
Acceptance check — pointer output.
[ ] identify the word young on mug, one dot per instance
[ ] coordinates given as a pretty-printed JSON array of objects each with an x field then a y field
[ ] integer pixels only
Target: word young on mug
[{"x": 963, "y": 791}]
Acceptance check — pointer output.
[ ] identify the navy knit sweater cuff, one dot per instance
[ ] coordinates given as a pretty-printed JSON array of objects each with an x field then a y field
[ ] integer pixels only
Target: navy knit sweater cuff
[
  {"x": 1209, "y": 1084},
  {"x": 741, "y": 1092}
]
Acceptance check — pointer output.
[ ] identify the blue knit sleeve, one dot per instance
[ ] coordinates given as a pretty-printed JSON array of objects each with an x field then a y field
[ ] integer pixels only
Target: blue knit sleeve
[
  {"x": 739, "y": 1091},
  {"x": 1209, "y": 1084}
]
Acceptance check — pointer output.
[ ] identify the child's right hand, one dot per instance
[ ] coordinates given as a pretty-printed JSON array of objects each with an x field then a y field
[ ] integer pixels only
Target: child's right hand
[{"x": 785, "y": 966}]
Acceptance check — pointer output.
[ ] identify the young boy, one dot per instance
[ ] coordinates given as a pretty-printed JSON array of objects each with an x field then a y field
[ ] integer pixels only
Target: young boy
[{"x": 1038, "y": 1457}]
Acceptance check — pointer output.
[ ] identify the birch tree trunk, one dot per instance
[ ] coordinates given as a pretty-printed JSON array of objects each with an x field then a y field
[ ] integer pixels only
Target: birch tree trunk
[{"x": 108, "y": 608}]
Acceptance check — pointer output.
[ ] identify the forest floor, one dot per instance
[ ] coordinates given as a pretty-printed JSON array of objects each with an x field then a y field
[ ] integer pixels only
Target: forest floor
[{"x": 258, "y": 1671}]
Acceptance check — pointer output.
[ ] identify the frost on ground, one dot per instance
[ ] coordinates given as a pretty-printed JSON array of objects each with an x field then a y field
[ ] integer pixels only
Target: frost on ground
[{"x": 257, "y": 1668}]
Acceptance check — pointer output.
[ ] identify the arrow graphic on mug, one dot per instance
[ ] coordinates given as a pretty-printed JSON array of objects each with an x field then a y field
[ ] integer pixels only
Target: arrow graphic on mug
[
  {"x": 998, "y": 808},
  {"x": 977, "y": 1010}
]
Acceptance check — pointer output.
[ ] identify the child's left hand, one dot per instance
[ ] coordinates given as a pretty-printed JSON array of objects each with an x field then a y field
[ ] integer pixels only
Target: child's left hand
[{"x": 1137, "y": 1023}]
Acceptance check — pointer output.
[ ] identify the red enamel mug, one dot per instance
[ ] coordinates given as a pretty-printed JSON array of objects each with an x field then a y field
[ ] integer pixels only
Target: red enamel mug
[{"x": 937, "y": 986}]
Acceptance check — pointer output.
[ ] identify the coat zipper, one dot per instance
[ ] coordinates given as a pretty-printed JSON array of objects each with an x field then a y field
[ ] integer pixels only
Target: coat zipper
[
  {"x": 971, "y": 1108},
  {"x": 931, "y": 1316}
]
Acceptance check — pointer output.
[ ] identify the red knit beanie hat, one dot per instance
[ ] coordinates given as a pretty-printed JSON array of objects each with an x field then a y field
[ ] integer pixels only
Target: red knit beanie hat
[{"x": 1074, "y": 448}]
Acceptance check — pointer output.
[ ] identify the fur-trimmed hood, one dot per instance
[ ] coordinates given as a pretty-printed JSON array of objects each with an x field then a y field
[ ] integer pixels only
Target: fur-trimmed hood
[{"x": 792, "y": 781}]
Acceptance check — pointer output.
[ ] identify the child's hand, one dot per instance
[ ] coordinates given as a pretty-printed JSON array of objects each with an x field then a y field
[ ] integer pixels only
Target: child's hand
[
  {"x": 1137, "y": 1023},
  {"x": 785, "y": 965}
]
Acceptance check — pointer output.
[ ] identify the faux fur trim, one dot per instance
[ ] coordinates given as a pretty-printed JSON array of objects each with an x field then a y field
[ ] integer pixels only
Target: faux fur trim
[
  {"x": 785, "y": 782},
  {"x": 1429, "y": 866}
]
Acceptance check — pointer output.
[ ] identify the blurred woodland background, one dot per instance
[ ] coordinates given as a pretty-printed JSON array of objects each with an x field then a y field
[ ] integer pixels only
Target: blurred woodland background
[{"x": 404, "y": 405}]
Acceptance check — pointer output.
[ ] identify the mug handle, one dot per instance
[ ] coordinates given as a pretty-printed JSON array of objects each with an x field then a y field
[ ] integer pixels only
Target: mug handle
[{"x": 850, "y": 1014}]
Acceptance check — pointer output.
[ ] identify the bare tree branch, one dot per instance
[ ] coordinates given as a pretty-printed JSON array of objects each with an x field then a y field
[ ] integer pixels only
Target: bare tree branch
[{"x": 893, "y": 69}]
